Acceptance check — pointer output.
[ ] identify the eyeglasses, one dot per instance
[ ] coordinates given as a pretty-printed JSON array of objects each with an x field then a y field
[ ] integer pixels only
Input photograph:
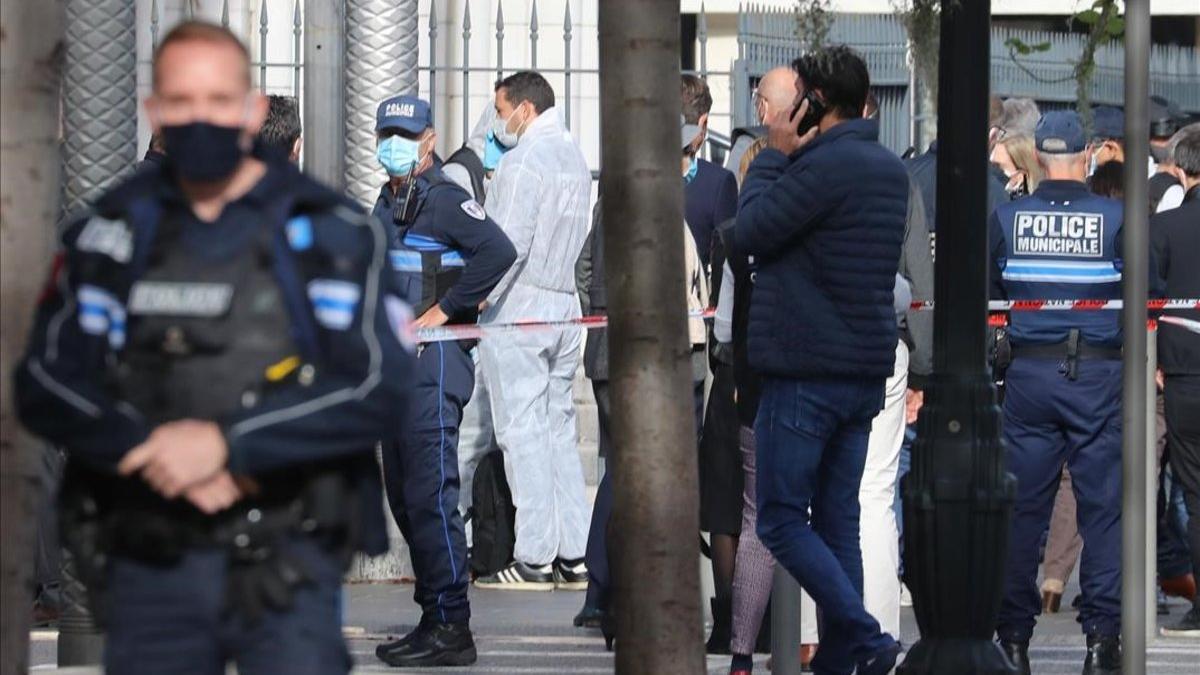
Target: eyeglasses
[{"x": 998, "y": 133}]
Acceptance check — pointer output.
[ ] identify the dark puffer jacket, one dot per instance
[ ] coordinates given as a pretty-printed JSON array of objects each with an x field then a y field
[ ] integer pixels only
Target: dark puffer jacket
[{"x": 825, "y": 226}]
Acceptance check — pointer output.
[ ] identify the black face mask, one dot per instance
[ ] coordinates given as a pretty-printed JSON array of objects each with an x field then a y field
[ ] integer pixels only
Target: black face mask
[{"x": 203, "y": 152}]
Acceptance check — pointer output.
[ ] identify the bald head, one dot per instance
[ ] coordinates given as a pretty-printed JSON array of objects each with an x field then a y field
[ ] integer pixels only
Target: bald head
[{"x": 776, "y": 91}]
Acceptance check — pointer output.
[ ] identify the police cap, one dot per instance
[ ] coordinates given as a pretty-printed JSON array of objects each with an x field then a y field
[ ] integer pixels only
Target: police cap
[
  {"x": 406, "y": 113},
  {"x": 1060, "y": 132}
]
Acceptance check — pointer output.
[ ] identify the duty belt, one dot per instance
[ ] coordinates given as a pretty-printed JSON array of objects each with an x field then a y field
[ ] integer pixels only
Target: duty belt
[
  {"x": 1070, "y": 352},
  {"x": 1059, "y": 351}
]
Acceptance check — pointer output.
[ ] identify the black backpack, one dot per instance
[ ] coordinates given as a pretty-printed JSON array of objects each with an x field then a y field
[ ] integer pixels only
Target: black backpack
[
  {"x": 492, "y": 516},
  {"x": 466, "y": 158}
]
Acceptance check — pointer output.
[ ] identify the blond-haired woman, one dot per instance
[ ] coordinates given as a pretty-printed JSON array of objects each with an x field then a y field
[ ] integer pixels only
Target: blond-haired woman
[{"x": 1017, "y": 157}]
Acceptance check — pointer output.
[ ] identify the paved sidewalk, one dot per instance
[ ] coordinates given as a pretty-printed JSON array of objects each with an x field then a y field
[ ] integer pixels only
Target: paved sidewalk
[{"x": 529, "y": 633}]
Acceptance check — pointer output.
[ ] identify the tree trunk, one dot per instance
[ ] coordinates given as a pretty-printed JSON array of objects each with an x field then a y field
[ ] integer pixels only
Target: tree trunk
[
  {"x": 30, "y": 47},
  {"x": 656, "y": 576}
]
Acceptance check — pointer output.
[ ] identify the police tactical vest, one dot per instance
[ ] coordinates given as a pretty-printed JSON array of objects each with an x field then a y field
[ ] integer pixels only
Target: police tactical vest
[
  {"x": 202, "y": 333},
  {"x": 1061, "y": 244},
  {"x": 425, "y": 269}
]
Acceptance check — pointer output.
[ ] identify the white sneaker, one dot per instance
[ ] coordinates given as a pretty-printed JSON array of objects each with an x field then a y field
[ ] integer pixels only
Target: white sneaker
[
  {"x": 520, "y": 577},
  {"x": 570, "y": 575}
]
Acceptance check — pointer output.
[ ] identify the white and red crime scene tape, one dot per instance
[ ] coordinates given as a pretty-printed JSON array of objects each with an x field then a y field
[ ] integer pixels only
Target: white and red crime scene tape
[{"x": 479, "y": 331}]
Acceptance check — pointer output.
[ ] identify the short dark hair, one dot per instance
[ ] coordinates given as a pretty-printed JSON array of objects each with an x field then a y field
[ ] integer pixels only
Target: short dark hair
[
  {"x": 282, "y": 126},
  {"x": 528, "y": 86},
  {"x": 1109, "y": 180},
  {"x": 200, "y": 31},
  {"x": 841, "y": 76},
  {"x": 695, "y": 98},
  {"x": 1186, "y": 150}
]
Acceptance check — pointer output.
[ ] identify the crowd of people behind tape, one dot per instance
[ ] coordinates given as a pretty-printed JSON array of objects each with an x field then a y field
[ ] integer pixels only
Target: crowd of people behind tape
[{"x": 810, "y": 244}]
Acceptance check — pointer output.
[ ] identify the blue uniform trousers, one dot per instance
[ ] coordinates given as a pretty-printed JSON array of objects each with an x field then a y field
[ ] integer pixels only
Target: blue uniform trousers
[
  {"x": 1050, "y": 420},
  {"x": 421, "y": 473},
  {"x": 171, "y": 619},
  {"x": 812, "y": 448}
]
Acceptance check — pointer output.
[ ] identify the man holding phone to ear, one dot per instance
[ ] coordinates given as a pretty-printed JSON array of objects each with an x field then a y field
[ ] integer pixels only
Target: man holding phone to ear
[{"x": 823, "y": 211}]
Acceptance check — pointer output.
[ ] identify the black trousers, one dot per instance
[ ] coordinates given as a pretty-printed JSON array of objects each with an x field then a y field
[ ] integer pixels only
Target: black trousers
[{"x": 1182, "y": 398}]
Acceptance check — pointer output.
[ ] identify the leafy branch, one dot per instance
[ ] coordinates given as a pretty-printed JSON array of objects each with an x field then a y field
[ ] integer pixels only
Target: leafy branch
[
  {"x": 1104, "y": 25},
  {"x": 922, "y": 22},
  {"x": 814, "y": 19}
]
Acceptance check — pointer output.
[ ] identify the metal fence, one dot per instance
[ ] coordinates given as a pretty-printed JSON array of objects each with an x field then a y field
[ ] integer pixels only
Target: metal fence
[
  {"x": 262, "y": 64},
  {"x": 570, "y": 75},
  {"x": 767, "y": 38}
]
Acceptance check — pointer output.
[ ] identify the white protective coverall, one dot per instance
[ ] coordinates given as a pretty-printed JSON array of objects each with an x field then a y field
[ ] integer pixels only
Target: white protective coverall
[{"x": 540, "y": 196}]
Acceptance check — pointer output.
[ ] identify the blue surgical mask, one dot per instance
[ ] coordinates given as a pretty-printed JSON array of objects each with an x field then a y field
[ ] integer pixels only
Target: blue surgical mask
[
  {"x": 398, "y": 156},
  {"x": 492, "y": 152},
  {"x": 691, "y": 172}
]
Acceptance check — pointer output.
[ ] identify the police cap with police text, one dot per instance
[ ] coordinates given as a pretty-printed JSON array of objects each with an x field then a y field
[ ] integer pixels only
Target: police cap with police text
[
  {"x": 406, "y": 113},
  {"x": 1060, "y": 132}
]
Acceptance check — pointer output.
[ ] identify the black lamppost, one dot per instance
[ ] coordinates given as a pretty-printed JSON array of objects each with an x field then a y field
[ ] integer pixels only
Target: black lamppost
[{"x": 958, "y": 496}]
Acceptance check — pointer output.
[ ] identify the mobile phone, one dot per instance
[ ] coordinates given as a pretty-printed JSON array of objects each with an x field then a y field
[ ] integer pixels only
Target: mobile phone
[{"x": 816, "y": 110}]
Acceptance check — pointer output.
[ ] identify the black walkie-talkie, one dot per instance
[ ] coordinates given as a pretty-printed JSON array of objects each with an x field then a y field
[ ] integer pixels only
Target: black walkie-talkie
[{"x": 404, "y": 211}]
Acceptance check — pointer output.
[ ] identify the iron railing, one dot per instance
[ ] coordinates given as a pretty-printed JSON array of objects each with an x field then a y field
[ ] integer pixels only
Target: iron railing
[
  {"x": 570, "y": 74},
  {"x": 261, "y": 63},
  {"x": 767, "y": 38}
]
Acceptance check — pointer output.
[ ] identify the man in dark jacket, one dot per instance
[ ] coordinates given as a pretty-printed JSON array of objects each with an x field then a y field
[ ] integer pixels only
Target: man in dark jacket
[
  {"x": 823, "y": 212},
  {"x": 1175, "y": 238},
  {"x": 710, "y": 193}
]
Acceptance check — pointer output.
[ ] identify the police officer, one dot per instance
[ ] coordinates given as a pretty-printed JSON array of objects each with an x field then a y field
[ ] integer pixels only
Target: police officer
[
  {"x": 1063, "y": 398},
  {"x": 446, "y": 255},
  {"x": 218, "y": 353}
]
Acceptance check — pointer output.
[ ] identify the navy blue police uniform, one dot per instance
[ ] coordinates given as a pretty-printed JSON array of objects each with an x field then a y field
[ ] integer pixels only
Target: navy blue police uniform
[
  {"x": 444, "y": 251},
  {"x": 278, "y": 322},
  {"x": 1063, "y": 390}
]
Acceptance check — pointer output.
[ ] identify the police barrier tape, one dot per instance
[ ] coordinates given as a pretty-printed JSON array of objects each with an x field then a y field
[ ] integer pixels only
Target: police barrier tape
[{"x": 478, "y": 331}]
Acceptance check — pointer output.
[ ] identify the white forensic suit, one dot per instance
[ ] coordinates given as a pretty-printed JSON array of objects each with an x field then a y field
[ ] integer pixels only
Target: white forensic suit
[{"x": 540, "y": 197}]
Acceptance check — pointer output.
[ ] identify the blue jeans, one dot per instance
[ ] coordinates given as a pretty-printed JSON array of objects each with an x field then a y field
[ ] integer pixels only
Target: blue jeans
[
  {"x": 910, "y": 437},
  {"x": 812, "y": 446}
]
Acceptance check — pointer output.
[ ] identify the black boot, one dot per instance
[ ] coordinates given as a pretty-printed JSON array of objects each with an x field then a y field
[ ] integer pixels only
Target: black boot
[
  {"x": 589, "y": 617},
  {"x": 438, "y": 644},
  {"x": 409, "y": 637},
  {"x": 1103, "y": 656},
  {"x": 608, "y": 628},
  {"x": 718, "y": 640},
  {"x": 1018, "y": 655}
]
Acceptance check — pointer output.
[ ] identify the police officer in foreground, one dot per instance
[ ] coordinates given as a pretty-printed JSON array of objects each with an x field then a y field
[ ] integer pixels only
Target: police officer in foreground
[
  {"x": 218, "y": 352},
  {"x": 446, "y": 255},
  {"x": 1063, "y": 399}
]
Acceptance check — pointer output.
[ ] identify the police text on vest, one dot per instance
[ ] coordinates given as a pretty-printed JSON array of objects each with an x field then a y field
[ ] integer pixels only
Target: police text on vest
[{"x": 1078, "y": 235}]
